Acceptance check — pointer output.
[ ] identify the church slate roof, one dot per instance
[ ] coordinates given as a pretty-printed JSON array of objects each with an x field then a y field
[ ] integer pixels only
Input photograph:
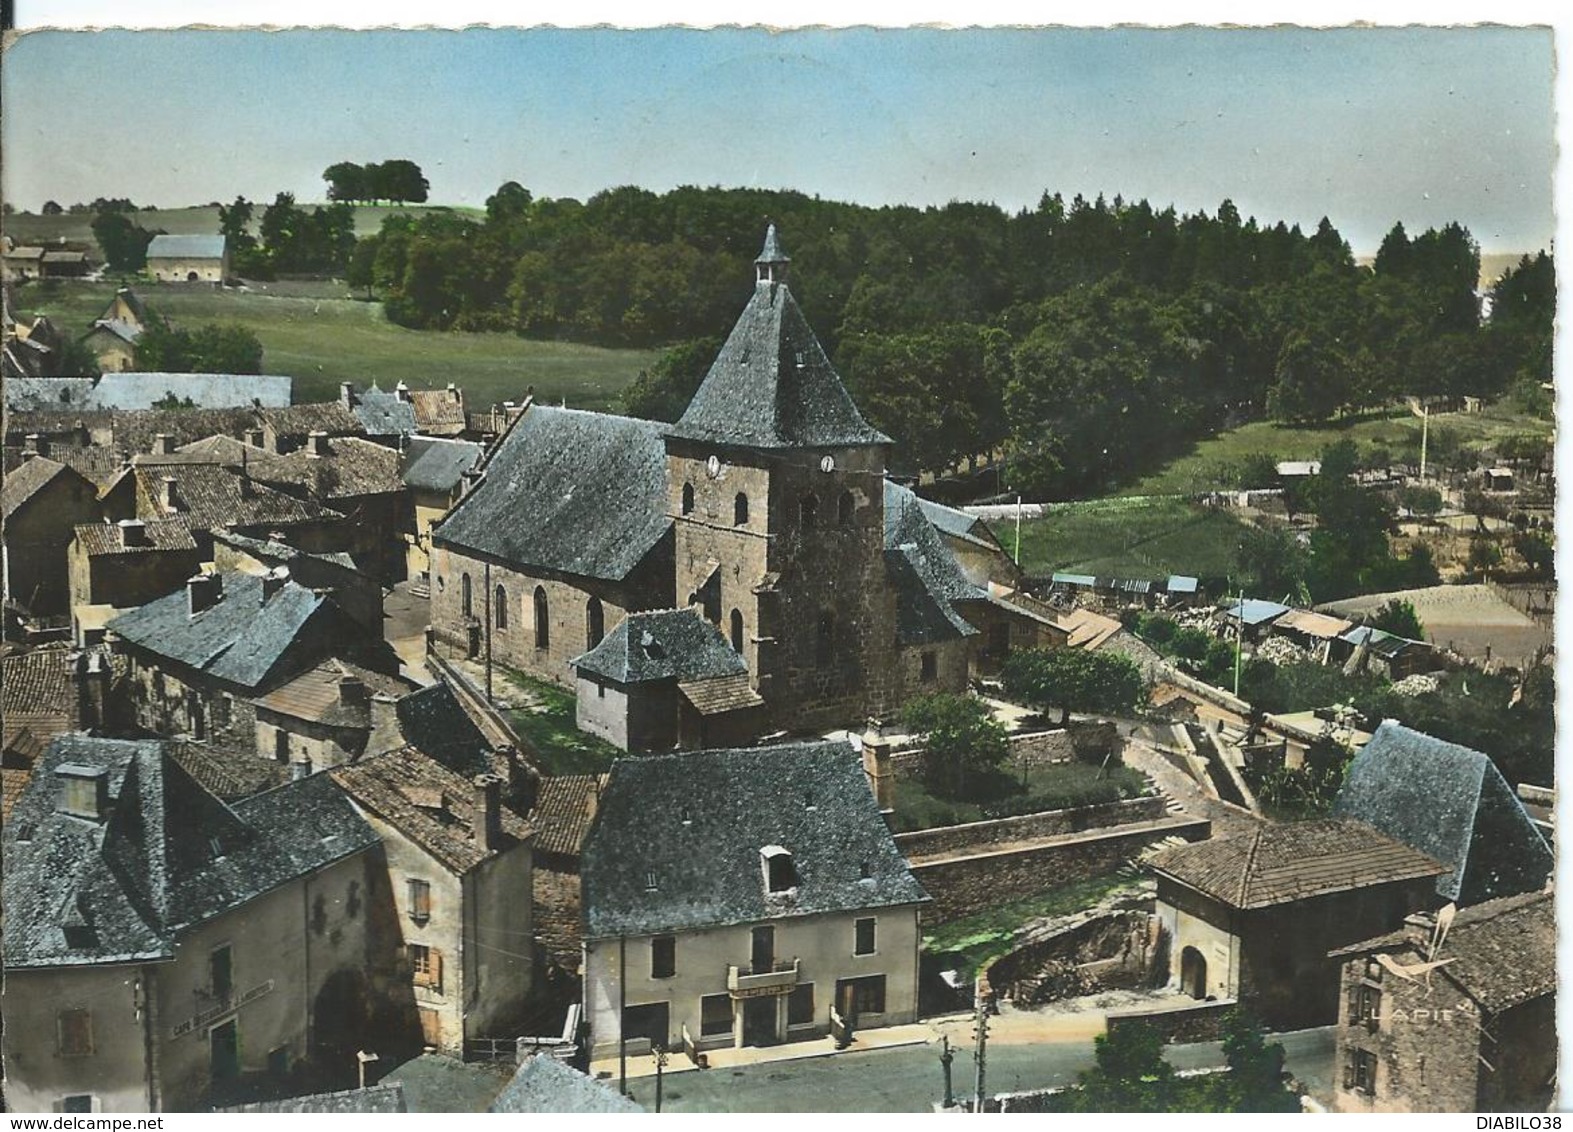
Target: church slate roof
[
  {"x": 663, "y": 644},
  {"x": 568, "y": 491},
  {"x": 1452, "y": 803},
  {"x": 676, "y": 841},
  {"x": 169, "y": 855},
  {"x": 544, "y": 1084},
  {"x": 772, "y": 385},
  {"x": 924, "y": 573}
]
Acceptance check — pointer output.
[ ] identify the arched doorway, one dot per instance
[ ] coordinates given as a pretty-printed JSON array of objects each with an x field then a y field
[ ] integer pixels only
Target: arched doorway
[
  {"x": 192, "y": 277},
  {"x": 1193, "y": 973}
]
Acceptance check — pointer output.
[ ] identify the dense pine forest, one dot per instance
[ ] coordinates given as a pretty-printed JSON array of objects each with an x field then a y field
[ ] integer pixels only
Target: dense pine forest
[{"x": 1092, "y": 339}]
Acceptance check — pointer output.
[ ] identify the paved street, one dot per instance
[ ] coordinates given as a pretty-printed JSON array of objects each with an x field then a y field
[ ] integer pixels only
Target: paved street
[{"x": 908, "y": 1079}]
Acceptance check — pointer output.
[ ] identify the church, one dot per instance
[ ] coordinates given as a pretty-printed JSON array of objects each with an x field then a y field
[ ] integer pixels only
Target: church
[{"x": 761, "y": 521}]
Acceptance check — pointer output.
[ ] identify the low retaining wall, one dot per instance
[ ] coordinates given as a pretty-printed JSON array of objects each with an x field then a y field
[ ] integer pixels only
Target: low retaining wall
[
  {"x": 1201, "y": 1022},
  {"x": 962, "y": 885},
  {"x": 1089, "y": 741},
  {"x": 982, "y": 836}
]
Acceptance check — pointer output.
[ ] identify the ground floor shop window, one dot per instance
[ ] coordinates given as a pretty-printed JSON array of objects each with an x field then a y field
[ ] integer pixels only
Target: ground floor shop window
[
  {"x": 715, "y": 1015},
  {"x": 800, "y": 1005},
  {"x": 856, "y": 997}
]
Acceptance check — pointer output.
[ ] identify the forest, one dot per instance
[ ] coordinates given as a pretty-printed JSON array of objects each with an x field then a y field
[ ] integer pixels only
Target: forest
[{"x": 1093, "y": 339}]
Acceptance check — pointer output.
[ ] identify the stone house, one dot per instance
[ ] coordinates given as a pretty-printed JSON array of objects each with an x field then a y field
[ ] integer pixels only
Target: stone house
[
  {"x": 1253, "y": 917},
  {"x": 201, "y": 659},
  {"x": 324, "y": 717},
  {"x": 764, "y": 506},
  {"x": 1451, "y": 803},
  {"x": 114, "y": 344},
  {"x": 665, "y": 679},
  {"x": 357, "y": 593},
  {"x": 24, "y": 261},
  {"x": 976, "y": 549},
  {"x": 164, "y": 950},
  {"x": 188, "y": 259},
  {"x": 459, "y": 875},
  {"x": 45, "y": 692},
  {"x": 434, "y": 474},
  {"x": 43, "y": 502},
  {"x": 208, "y": 497},
  {"x": 564, "y": 809},
  {"x": 285, "y": 429},
  {"x": 1452, "y": 1015},
  {"x": 126, "y": 307},
  {"x": 744, "y": 897},
  {"x": 383, "y": 415},
  {"x": 438, "y": 412},
  {"x": 129, "y": 563}
]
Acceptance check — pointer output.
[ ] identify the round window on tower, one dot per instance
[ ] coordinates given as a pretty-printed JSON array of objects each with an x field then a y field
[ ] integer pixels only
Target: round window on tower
[{"x": 827, "y": 464}]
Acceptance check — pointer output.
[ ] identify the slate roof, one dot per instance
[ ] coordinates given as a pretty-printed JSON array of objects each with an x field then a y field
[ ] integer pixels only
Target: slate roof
[
  {"x": 331, "y": 417},
  {"x": 351, "y": 467},
  {"x": 26, "y": 393},
  {"x": 694, "y": 824},
  {"x": 569, "y": 491},
  {"x": 564, "y": 808},
  {"x": 434, "y": 722},
  {"x": 772, "y": 385},
  {"x": 103, "y": 539},
  {"x": 399, "y": 787},
  {"x": 169, "y": 856},
  {"x": 210, "y": 496},
  {"x": 186, "y": 247},
  {"x": 133, "y": 302},
  {"x": 1502, "y": 953},
  {"x": 28, "y": 480},
  {"x": 384, "y": 414},
  {"x": 280, "y": 553},
  {"x": 239, "y": 639},
  {"x": 386, "y": 1096},
  {"x": 544, "y": 1084},
  {"x": 127, "y": 332},
  {"x": 958, "y": 524},
  {"x": 923, "y": 573},
  {"x": 662, "y": 644},
  {"x": 1452, "y": 803},
  {"x": 228, "y": 773},
  {"x": 1278, "y": 863},
  {"x": 205, "y": 390},
  {"x": 429, "y": 464}
]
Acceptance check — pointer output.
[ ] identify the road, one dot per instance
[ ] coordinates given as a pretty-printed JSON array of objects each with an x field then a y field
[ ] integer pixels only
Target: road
[{"x": 908, "y": 1078}]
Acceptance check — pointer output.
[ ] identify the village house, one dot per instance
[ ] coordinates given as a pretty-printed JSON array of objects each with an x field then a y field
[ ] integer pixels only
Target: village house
[
  {"x": 23, "y": 262},
  {"x": 1252, "y": 917},
  {"x": 458, "y": 873},
  {"x": 188, "y": 259},
  {"x": 1453, "y": 1014},
  {"x": 1451, "y": 803},
  {"x": 564, "y": 810},
  {"x": 324, "y": 717},
  {"x": 720, "y": 909},
  {"x": 357, "y": 593},
  {"x": 121, "y": 565},
  {"x": 114, "y": 344},
  {"x": 383, "y": 415},
  {"x": 210, "y": 497},
  {"x": 438, "y": 412},
  {"x": 977, "y": 551},
  {"x": 434, "y": 473},
  {"x": 164, "y": 951},
  {"x": 45, "y": 692},
  {"x": 284, "y": 429},
  {"x": 43, "y": 502}
]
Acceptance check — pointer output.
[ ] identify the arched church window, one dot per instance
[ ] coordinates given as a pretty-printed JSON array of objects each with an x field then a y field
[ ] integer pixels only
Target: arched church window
[
  {"x": 688, "y": 499},
  {"x": 740, "y": 510},
  {"x": 543, "y": 632}
]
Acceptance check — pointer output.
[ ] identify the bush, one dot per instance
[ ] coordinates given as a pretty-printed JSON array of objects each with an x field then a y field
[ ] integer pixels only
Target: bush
[{"x": 964, "y": 742}]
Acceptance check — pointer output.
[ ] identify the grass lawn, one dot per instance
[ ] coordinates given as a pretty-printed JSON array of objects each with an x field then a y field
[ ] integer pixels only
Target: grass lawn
[
  {"x": 1213, "y": 463},
  {"x": 1149, "y": 537},
  {"x": 319, "y": 335},
  {"x": 983, "y": 937},
  {"x": 545, "y": 720},
  {"x": 1053, "y": 787}
]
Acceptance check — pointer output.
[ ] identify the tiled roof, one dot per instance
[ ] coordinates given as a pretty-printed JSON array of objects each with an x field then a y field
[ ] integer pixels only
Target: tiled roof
[
  {"x": 351, "y": 467},
  {"x": 1279, "y": 863},
  {"x": 676, "y": 842},
  {"x": 239, "y": 639},
  {"x": 720, "y": 694},
  {"x": 219, "y": 449},
  {"x": 314, "y": 695},
  {"x": 438, "y": 465},
  {"x": 330, "y": 417},
  {"x": 663, "y": 644},
  {"x": 228, "y": 773},
  {"x": 1452, "y": 803},
  {"x": 38, "y": 685},
  {"x": 27, "y": 481},
  {"x": 773, "y": 387},
  {"x": 101, "y": 465},
  {"x": 101, "y": 539},
  {"x": 210, "y": 496},
  {"x": 564, "y": 808},
  {"x": 544, "y": 1084},
  {"x": 923, "y": 572},
  {"x": 1502, "y": 953},
  {"x": 384, "y": 414},
  {"x": 204, "y": 390},
  {"x": 186, "y": 247},
  {"x": 1312, "y": 624},
  {"x": 168, "y": 857},
  {"x": 438, "y": 412},
  {"x": 401, "y": 787},
  {"x": 574, "y": 492}
]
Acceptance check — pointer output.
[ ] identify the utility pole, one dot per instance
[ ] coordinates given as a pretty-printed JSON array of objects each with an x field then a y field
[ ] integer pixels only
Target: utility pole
[
  {"x": 980, "y": 1054},
  {"x": 945, "y": 1058},
  {"x": 659, "y": 1049},
  {"x": 1425, "y": 422},
  {"x": 1018, "y": 530},
  {"x": 1239, "y": 635},
  {"x": 622, "y": 1014}
]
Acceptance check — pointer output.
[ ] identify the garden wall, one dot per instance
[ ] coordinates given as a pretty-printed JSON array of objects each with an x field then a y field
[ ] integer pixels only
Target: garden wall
[
  {"x": 963, "y": 884},
  {"x": 1197, "y": 1022},
  {"x": 1090, "y": 741},
  {"x": 982, "y": 836}
]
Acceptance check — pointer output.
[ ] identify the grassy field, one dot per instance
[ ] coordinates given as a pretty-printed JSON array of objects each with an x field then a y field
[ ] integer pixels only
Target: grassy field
[
  {"x": 1213, "y": 464},
  {"x": 200, "y": 220},
  {"x": 1128, "y": 537},
  {"x": 318, "y": 334},
  {"x": 982, "y": 938}
]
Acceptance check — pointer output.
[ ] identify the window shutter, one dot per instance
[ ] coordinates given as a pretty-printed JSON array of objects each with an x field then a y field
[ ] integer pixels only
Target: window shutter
[
  {"x": 1354, "y": 1005},
  {"x": 1349, "y": 1069},
  {"x": 436, "y": 970}
]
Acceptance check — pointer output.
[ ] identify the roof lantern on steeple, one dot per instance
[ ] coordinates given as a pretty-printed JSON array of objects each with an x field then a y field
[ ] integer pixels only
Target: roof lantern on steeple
[{"x": 771, "y": 266}]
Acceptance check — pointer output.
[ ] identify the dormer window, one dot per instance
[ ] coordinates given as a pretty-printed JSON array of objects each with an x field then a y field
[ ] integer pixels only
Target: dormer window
[{"x": 780, "y": 872}]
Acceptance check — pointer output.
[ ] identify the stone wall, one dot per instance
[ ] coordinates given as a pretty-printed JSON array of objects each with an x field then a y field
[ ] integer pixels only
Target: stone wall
[
  {"x": 1089, "y": 741},
  {"x": 557, "y": 905},
  {"x": 1198, "y": 1022},
  {"x": 982, "y": 836},
  {"x": 963, "y": 885}
]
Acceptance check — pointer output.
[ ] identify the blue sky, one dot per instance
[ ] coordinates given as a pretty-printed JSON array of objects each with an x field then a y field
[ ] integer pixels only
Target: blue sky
[{"x": 1366, "y": 126}]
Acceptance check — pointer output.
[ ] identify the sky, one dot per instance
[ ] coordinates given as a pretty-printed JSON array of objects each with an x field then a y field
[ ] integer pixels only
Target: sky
[{"x": 1367, "y": 126}]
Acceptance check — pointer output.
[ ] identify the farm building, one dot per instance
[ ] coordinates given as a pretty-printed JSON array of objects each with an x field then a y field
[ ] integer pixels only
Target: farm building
[{"x": 188, "y": 259}]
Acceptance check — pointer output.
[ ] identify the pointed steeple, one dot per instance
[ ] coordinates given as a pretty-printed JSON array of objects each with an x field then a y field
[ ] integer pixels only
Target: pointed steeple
[
  {"x": 771, "y": 266},
  {"x": 772, "y": 385}
]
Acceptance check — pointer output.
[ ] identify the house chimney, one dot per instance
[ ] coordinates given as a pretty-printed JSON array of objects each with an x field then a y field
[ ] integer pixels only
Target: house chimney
[
  {"x": 35, "y": 445},
  {"x": 83, "y": 791},
  {"x": 352, "y": 691},
  {"x": 346, "y": 394},
  {"x": 203, "y": 591},
  {"x": 255, "y": 437},
  {"x": 317, "y": 443},
  {"x": 299, "y": 770},
  {"x": 401, "y": 391},
  {"x": 168, "y": 494},
  {"x": 90, "y": 673},
  {"x": 386, "y": 734},
  {"x": 486, "y": 818},
  {"x": 273, "y": 581},
  {"x": 163, "y": 444},
  {"x": 876, "y": 767},
  {"x": 133, "y": 532},
  {"x": 453, "y": 391}
]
